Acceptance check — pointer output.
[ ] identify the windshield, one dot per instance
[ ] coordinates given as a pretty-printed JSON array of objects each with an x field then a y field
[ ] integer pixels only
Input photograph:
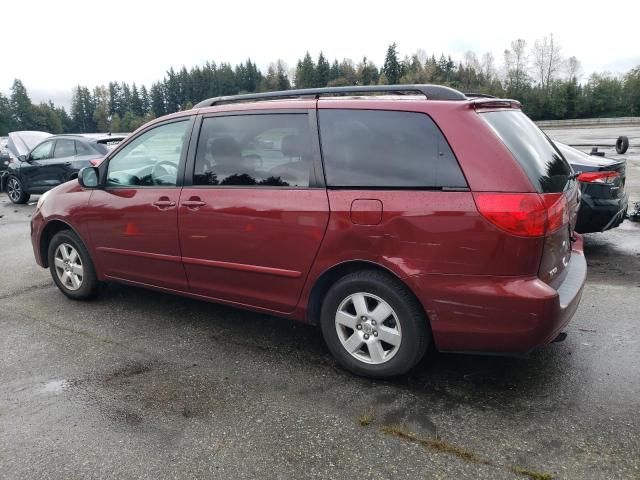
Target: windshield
[{"x": 541, "y": 160}]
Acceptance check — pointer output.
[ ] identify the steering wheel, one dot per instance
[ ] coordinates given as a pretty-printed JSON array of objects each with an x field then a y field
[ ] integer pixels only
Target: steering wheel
[{"x": 161, "y": 169}]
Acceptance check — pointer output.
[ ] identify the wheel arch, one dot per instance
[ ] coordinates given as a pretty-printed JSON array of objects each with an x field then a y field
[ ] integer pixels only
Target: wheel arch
[
  {"x": 331, "y": 275},
  {"x": 50, "y": 229}
]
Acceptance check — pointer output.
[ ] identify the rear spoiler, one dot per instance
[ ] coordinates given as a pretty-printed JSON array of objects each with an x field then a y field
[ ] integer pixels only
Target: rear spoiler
[
  {"x": 110, "y": 140},
  {"x": 480, "y": 103}
]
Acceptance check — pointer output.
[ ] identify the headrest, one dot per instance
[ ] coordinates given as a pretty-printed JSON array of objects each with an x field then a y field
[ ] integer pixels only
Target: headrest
[
  {"x": 295, "y": 146},
  {"x": 225, "y": 147}
]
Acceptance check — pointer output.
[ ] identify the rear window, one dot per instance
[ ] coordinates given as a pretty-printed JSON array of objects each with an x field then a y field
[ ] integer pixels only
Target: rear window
[
  {"x": 386, "y": 149},
  {"x": 535, "y": 152}
]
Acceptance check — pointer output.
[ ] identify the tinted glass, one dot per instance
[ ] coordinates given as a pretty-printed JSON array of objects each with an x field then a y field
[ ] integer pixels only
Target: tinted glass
[
  {"x": 84, "y": 149},
  {"x": 260, "y": 150},
  {"x": 540, "y": 159},
  {"x": 42, "y": 152},
  {"x": 376, "y": 148},
  {"x": 151, "y": 159},
  {"x": 64, "y": 148}
]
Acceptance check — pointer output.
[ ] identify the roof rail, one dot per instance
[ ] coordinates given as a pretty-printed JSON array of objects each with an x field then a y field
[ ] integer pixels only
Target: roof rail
[
  {"x": 479, "y": 95},
  {"x": 432, "y": 92}
]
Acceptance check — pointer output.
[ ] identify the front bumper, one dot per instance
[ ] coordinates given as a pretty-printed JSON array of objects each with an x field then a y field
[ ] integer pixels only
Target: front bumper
[
  {"x": 502, "y": 315},
  {"x": 598, "y": 215},
  {"x": 37, "y": 224}
]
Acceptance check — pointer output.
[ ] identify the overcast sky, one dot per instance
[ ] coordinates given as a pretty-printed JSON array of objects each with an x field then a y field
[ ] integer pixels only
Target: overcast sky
[{"x": 56, "y": 45}]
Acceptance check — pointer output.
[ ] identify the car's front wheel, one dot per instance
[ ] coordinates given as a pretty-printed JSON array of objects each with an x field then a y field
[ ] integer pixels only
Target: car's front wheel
[
  {"x": 71, "y": 266},
  {"x": 373, "y": 325},
  {"x": 15, "y": 191}
]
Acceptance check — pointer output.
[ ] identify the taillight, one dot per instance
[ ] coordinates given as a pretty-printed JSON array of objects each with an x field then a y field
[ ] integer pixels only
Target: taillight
[
  {"x": 95, "y": 162},
  {"x": 557, "y": 211},
  {"x": 598, "y": 177},
  {"x": 524, "y": 214}
]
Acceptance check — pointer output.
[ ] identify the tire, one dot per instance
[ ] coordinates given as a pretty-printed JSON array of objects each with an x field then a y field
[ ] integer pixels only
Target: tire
[
  {"x": 622, "y": 144},
  {"x": 75, "y": 285},
  {"x": 15, "y": 191},
  {"x": 344, "y": 327}
]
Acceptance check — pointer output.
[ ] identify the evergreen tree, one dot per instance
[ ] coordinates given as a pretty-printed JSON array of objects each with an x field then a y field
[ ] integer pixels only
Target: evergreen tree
[
  {"x": 322, "y": 72},
  {"x": 126, "y": 99},
  {"x": 21, "y": 107},
  {"x": 145, "y": 100},
  {"x": 158, "y": 100},
  {"x": 391, "y": 66},
  {"x": 136, "y": 102},
  {"x": 305, "y": 72}
]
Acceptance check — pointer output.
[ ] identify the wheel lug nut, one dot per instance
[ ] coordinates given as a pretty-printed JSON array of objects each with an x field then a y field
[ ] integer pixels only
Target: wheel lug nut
[
  {"x": 375, "y": 333},
  {"x": 366, "y": 336},
  {"x": 363, "y": 318},
  {"x": 373, "y": 322},
  {"x": 359, "y": 327}
]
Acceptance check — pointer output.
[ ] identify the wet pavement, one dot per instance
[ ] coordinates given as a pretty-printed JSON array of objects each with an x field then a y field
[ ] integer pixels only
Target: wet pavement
[{"x": 139, "y": 384}]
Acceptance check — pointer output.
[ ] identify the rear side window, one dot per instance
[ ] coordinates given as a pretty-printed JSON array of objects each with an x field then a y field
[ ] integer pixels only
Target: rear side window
[
  {"x": 84, "y": 149},
  {"x": 259, "y": 150},
  {"x": 535, "y": 152},
  {"x": 64, "y": 148},
  {"x": 385, "y": 149}
]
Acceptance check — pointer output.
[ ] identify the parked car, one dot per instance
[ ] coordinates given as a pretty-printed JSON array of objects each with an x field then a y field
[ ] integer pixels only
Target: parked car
[
  {"x": 395, "y": 223},
  {"x": 5, "y": 156},
  {"x": 52, "y": 162},
  {"x": 604, "y": 201}
]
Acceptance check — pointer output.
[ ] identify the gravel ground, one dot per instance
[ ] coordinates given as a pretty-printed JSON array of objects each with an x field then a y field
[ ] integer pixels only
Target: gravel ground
[{"x": 139, "y": 384}]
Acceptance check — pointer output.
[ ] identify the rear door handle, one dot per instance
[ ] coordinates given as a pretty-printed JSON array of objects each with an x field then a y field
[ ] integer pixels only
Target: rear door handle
[{"x": 193, "y": 203}]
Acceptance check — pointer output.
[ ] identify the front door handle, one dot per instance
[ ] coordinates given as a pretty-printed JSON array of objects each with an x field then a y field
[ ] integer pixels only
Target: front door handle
[{"x": 164, "y": 203}]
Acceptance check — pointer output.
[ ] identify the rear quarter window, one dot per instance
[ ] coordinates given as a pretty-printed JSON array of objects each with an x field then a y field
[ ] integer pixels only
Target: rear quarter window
[
  {"x": 540, "y": 159},
  {"x": 386, "y": 149}
]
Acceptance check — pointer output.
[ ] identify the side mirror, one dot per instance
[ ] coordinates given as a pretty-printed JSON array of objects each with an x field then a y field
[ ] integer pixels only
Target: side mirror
[
  {"x": 23, "y": 158},
  {"x": 88, "y": 177}
]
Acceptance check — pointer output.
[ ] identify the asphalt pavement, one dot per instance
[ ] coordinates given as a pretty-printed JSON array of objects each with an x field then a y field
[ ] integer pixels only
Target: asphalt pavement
[{"x": 140, "y": 384}]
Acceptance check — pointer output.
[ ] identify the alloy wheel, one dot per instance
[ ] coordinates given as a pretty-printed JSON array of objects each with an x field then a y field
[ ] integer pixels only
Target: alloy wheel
[
  {"x": 368, "y": 328},
  {"x": 14, "y": 189},
  {"x": 68, "y": 265}
]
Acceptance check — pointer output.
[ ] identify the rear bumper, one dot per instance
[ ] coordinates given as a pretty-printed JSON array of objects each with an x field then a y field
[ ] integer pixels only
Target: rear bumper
[
  {"x": 507, "y": 315},
  {"x": 598, "y": 215}
]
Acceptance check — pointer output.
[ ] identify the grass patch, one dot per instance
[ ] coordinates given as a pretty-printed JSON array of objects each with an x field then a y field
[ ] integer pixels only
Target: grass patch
[
  {"x": 532, "y": 474},
  {"x": 445, "y": 447},
  {"x": 366, "y": 418},
  {"x": 434, "y": 444}
]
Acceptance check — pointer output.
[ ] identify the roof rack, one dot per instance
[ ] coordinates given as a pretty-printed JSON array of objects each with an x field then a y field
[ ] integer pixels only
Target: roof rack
[{"x": 432, "y": 92}]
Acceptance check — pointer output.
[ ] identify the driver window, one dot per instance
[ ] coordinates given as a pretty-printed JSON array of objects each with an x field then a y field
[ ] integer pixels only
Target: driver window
[
  {"x": 151, "y": 159},
  {"x": 42, "y": 151}
]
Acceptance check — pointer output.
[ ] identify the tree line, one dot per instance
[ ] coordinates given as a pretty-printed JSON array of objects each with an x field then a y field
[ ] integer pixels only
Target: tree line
[{"x": 548, "y": 85}]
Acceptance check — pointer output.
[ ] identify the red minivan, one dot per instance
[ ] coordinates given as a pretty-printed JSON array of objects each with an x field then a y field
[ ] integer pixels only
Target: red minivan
[{"x": 395, "y": 222}]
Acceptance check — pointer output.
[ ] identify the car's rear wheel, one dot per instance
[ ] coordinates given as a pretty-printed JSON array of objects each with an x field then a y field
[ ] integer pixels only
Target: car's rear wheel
[
  {"x": 71, "y": 266},
  {"x": 15, "y": 191},
  {"x": 373, "y": 325}
]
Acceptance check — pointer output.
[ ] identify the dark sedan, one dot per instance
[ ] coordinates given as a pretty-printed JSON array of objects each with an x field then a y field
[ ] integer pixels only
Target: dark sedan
[
  {"x": 54, "y": 161},
  {"x": 604, "y": 201},
  {"x": 5, "y": 156}
]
